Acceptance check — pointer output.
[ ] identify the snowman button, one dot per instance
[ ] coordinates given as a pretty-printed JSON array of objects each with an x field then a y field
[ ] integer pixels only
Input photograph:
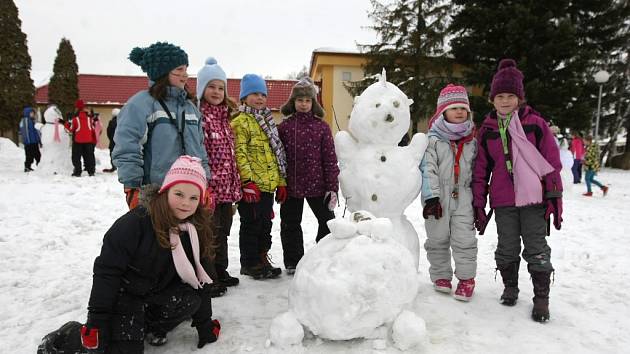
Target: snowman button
[
  {"x": 383, "y": 158},
  {"x": 374, "y": 197}
]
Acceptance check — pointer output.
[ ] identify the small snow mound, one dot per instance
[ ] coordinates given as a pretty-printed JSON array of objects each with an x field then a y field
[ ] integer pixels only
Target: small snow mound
[
  {"x": 285, "y": 330},
  {"x": 8, "y": 148},
  {"x": 409, "y": 330}
]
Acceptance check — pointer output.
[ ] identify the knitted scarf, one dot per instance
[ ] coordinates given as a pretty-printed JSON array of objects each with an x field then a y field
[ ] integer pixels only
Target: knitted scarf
[
  {"x": 450, "y": 132},
  {"x": 529, "y": 165},
  {"x": 195, "y": 277},
  {"x": 265, "y": 120}
]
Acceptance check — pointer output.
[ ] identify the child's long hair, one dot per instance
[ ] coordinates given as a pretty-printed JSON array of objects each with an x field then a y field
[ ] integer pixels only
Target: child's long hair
[
  {"x": 158, "y": 89},
  {"x": 163, "y": 220}
]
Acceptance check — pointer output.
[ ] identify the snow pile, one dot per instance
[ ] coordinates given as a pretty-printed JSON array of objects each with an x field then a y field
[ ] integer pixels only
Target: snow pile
[
  {"x": 408, "y": 331},
  {"x": 9, "y": 150},
  {"x": 354, "y": 280},
  {"x": 375, "y": 173},
  {"x": 285, "y": 330}
]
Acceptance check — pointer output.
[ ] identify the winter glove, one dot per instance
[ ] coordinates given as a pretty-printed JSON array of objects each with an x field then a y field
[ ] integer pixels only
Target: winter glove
[
  {"x": 481, "y": 219},
  {"x": 281, "y": 194},
  {"x": 61, "y": 121},
  {"x": 94, "y": 339},
  {"x": 132, "y": 197},
  {"x": 330, "y": 200},
  {"x": 208, "y": 332},
  {"x": 554, "y": 206},
  {"x": 209, "y": 202},
  {"x": 432, "y": 207},
  {"x": 251, "y": 193}
]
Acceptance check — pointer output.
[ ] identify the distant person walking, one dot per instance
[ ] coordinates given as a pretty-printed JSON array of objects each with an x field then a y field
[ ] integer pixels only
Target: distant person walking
[
  {"x": 591, "y": 164},
  {"x": 111, "y": 129},
  {"x": 577, "y": 149}
]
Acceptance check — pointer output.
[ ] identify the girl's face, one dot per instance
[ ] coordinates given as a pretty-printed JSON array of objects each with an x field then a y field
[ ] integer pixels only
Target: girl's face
[
  {"x": 214, "y": 92},
  {"x": 505, "y": 103},
  {"x": 183, "y": 199},
  {"x": 456, "y": 115},
  {"x": 256, "y": 100},
  {"x": 303, "y": 104},
  {"x": 178, "y": 76}
]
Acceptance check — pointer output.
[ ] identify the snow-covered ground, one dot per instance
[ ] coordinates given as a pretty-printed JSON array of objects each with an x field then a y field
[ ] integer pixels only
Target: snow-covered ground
[{"x": 52, "y": 227}]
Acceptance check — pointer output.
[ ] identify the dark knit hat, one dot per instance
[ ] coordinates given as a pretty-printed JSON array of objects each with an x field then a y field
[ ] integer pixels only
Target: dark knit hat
[
  {"x": 303, "y": 88},
  {"x": 508, "y": 79},
  {"x": 158, "y": 59}
]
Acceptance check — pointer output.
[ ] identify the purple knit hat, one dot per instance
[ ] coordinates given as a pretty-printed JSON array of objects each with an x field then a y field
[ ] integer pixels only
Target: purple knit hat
[{"x": 508, "y": 79}]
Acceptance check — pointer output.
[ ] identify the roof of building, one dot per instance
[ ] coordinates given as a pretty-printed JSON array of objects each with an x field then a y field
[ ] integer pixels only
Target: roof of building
[{"x": 115, "y": 90}]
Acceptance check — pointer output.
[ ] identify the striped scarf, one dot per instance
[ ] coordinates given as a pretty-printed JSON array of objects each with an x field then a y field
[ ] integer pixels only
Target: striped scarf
[{"x": 265, "y": 121}]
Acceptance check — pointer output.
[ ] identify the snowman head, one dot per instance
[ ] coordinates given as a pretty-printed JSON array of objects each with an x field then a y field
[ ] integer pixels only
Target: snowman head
[
  {"x": 52, "y": 114},
  {"x": 380, "y": 114}
]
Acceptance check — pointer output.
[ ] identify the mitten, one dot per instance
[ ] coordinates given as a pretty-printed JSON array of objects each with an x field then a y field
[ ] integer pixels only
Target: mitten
[
  {"x": 281, "y": 194},
  {"x": 251, "y": 193},
  {"x": 132, "y": 197},
  {"x": 208, "y": 332},
  {"x": 94, "y": 339},
  {"x": 432, "y": 207},
  {"x": 481, "y": 220},
  {"x": 554, "y": 206},
  {"x": 330, "y": 200}
]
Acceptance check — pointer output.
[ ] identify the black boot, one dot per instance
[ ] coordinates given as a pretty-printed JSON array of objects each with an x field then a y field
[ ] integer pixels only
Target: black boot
[
  {"x": 257, "y": 272},
  {"x": 509, "y": 273},
  {"x": 225, "y": 278},
  {"x": 541, "y": 281},
  {"x": 265, "y": 259}
]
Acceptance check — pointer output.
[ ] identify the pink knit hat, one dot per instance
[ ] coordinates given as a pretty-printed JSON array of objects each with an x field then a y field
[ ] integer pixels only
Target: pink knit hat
[
  {"x": 508, "y": 79},
  {"x": 452, "y": 96},
  {"x": 186, "y": 169}
]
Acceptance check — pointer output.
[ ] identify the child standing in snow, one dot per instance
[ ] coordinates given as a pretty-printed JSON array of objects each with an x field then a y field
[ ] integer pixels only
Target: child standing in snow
[
  {"x": 312, "y": 169},
  {"x": 148, "y": 278},
  {"x": 84, "y": 139},
  {"x": 225, "y": 183},
  {"x": 446, "y": 194},
  {"x": 31, "y": 139},
  {"x": 262, "y": 165},
  {"x": 518, "y": 164},
  {"x": 591, "y": 164}
]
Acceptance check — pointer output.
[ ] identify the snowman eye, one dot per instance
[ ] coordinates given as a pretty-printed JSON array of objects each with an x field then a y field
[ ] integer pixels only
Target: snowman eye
[
  {"x": 378, "y": 105},
  {"x": 396, "y": 104}
]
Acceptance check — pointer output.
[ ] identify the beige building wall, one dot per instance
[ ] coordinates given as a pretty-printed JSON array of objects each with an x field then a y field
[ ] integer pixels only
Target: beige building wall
[{"x": 343, "y": 101}]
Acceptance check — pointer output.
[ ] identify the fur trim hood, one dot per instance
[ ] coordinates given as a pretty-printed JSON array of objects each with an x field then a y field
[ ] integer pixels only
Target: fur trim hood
[
  {"x": 303, "y": 88},
  {"x": 147, "y": 193}
]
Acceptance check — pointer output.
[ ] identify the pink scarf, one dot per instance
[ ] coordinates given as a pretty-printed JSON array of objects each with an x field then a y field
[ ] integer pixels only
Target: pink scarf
[
  {"x": 529, "y": 166},
  {"x": 56, "y": 137},
  {"x": 182, "y": 264}
]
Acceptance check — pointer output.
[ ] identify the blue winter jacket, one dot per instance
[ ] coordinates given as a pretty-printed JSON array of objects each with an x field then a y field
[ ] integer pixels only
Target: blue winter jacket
[
  {"x": 148, "y": 141},
  {"x": 29, "y": 134}
]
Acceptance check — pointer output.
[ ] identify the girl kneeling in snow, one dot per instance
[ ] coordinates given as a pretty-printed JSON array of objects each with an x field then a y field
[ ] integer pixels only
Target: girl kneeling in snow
[{"x": 148, "y": 278}]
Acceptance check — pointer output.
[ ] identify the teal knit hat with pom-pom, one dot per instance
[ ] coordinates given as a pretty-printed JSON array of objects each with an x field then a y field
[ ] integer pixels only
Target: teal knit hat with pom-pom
[{"x": 158, "y": 59}]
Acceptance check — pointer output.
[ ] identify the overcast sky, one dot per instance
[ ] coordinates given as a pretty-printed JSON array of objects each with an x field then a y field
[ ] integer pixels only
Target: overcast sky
[{"x": 272, "y": 37}]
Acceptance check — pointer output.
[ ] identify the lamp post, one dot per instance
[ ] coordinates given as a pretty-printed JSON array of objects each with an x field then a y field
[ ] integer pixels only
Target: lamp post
[{"x": 601, "y": 77}]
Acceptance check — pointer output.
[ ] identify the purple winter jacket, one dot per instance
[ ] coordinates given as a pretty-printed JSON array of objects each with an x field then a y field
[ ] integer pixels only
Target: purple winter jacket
[
  {"x": 490, "y": 160},
  {"x": 312, "y": 162}
]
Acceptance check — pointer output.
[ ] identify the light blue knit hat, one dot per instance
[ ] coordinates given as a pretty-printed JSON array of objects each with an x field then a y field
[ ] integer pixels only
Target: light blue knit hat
[
  {"x": 210, "y": 71},
  {"x": 252, "y": 83}
]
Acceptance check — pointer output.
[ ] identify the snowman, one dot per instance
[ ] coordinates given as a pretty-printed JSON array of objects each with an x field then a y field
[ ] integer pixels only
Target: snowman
[
  {"x": 375, "y": 173},
  {"x": 358, "y": 282},
  {"x": 56, "y": 144}
]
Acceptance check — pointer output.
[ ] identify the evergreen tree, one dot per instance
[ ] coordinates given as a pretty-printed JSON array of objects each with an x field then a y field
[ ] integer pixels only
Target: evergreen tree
[
  {"x": 63, "y": 89},
  {"x": 410, "y": 48},
  {"x": 16, "y": 85},
  {"x": 555, "y": 43}
]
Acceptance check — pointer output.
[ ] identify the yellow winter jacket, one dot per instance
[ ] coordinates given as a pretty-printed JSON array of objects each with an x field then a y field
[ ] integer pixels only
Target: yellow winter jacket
[{"x": 255, "y": 159}]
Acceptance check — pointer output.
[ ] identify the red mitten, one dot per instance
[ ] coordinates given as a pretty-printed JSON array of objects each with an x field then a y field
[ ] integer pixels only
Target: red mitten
[
  {"x": 93, "y": 339},
  {"x": 251, "y": 193},
  {"x": 208, "y": 332},
  {"x": 281, "y": 194}
]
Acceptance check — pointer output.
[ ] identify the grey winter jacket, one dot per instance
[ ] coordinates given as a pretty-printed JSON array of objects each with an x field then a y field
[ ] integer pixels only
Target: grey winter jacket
[{"x": 148, "y": 141}]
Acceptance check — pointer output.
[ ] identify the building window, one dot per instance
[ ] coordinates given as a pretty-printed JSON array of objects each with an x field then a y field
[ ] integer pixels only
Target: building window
[{"x": 346, "y": 76}]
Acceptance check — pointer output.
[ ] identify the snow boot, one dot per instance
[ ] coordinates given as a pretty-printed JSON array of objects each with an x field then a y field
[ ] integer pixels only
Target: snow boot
[
  {"x": 217, "y": 289},
  {"x": 465, "y": 288},
  {"x": 265, "y": 259},
  {"x": 509, "y": 273},
  {"x": 290, "y": 270},
  {"x": 156, "y": 339},
  {"x": 257, "y": 272},
  {"x": 541, "y": 281},
  {"x": 67, "y": 339},
  {"x": 443, "y": 286},
  {"x": 226, "y": 279},
  {"x": 605, "y": 190},
  {"x": 588, "y": 194}
]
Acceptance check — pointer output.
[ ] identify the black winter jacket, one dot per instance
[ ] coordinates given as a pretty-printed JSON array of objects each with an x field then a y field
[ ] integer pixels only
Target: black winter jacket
[
  {"x": 111, "y": 129},
  {"x": 133, "y": 262}
]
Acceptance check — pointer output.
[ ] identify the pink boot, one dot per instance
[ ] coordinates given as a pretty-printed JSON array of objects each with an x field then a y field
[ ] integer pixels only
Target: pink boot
[
  {"x": 465, "y": 288},
  {"x": 443, "y": 286}
]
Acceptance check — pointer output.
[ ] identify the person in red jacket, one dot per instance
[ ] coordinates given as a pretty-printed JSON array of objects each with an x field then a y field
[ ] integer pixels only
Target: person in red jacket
[{"x": 84, "y": 140}]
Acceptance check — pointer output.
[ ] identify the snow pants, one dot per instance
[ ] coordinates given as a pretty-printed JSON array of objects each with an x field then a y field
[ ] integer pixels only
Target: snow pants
[
  {"x": 576, "y": 169},
  {"x": 221, "y": 225},
  {"x": 528, "y": 223},
  {"x": 455, "y": 232},
  {"x": 85, "y": 151},
  {"x": 32, "y": 154},
  {"x": 255, "y": 232},
  {"x": 589, "y": 178},
  {"x": 291, "y": 229}
]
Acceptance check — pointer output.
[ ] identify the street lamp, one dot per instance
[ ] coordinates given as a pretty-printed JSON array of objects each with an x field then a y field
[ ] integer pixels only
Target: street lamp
[{"x": 601, "y": 77}]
